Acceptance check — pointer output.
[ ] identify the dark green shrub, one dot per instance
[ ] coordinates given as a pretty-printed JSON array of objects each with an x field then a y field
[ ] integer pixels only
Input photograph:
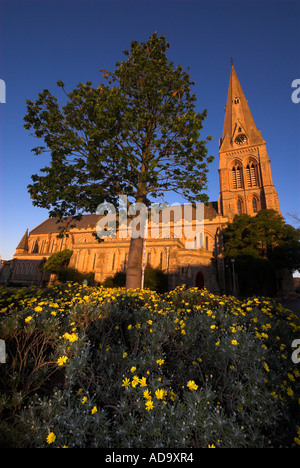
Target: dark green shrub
[
  {"x": 58, "y": 261},
  {"x": 185, "y": 369},
  {"x": 71, "y": 274},
  {"x": 155, "y": 279}
]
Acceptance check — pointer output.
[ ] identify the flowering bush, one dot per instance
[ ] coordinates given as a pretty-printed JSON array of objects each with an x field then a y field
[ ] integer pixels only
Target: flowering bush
[{"x": 95, "y": 367}]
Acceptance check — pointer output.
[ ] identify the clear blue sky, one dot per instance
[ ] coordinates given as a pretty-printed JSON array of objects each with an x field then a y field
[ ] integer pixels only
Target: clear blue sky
[{"x": 44, "y": 41}]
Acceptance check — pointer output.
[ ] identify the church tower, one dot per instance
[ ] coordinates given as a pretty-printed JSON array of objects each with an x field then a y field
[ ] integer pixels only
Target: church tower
[{"x": 246, "y": 184}]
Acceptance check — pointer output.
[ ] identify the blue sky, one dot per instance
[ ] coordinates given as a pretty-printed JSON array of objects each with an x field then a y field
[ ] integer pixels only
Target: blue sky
[{"x": 44, "y": 41}]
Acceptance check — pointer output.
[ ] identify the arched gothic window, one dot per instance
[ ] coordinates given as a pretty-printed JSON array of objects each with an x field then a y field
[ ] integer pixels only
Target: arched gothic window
[
  {"x": 239, "y": 206},
  {"x": 237, "y": 177},
  {"x": 161, "y": 260},
  {"x": 35, "y": 247},
  {"x": 94, "y": 261},
  {"x": 251, "y": 174},
  {"x": 254, "y": 205}
]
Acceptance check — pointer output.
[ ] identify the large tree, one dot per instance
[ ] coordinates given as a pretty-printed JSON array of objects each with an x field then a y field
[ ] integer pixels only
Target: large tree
[{"x": 136, "y": 134}]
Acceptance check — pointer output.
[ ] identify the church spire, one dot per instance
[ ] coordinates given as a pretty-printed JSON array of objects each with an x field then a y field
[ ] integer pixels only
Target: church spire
[
  {"x": 23, "y": 244},
  {"x": 246, "y": 184},
  {"x": 239, "y": 126}
]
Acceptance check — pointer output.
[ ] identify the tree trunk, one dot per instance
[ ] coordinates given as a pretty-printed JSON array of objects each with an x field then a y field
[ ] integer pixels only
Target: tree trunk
[
  {"x": 135, "y": 256},
  {"x": 134, "y": 265}
]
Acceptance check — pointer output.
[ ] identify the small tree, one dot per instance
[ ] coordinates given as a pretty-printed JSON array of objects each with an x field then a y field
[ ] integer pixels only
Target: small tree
[
  {"x": 261, "y": 244},
  {"x": 58, "y": 261},
  {"x": 137, "y": 135}
]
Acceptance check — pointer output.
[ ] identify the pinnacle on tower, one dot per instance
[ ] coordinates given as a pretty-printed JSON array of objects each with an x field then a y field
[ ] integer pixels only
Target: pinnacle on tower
[{"x": 23, "y": 244}]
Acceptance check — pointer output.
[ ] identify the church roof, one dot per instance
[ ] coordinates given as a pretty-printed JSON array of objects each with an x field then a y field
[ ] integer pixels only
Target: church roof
[
  {"x": 90, "y": 220},
  {"x": 51, "y": 225}
]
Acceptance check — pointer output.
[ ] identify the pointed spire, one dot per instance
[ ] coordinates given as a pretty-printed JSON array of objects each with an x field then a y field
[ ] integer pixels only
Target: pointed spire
[
  {"x": 238, "y": 117},
  {"x": 23, "y": 244}
]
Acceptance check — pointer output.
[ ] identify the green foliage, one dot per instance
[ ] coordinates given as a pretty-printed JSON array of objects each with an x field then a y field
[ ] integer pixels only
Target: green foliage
[
  {"x": 155, "y": 279},
  {"x": 256, "y": 276},
  {"x": 96, "y": 367},
  {"x": 136, "y": 134},
  {"x": 261, "y": 245},
  {"x": 58, "y": 261},
  {"x": 116, "y": 281},
  {"x": 71, "y": 274},
  {"x": 265, "y": 235}
]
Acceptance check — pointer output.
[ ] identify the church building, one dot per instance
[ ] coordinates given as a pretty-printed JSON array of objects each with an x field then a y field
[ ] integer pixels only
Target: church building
[{"x": 245, "y": 187}]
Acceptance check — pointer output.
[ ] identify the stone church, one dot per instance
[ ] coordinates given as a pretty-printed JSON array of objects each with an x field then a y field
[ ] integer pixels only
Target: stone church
[{"x": 245, "y": 187}]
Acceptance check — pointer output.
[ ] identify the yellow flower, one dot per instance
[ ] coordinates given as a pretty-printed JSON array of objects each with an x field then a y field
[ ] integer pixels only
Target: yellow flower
[
  {"x": 94, "y": 410},
  {"x": 38, "y": 309},
  {"x": 192, "y": 386},
  {"x": 149, "y": 405},
  {"x": 143, "y": 382},
  {"x": 160, "y": 362},
  {"x": 62, "y": 360},
  {"x": 28, "y": 319},
  {"x": 135, "y": 381},
  {"x": 125, "y": 355},
  {"x": 147, "y": 395},
  {"x": 133, "y": 369},
  {"x": 51, "y": 438},
  {"x": 212, "y": 446},
  {"x": 126, "y": 383},
  {"x": 160, "y": 394},
  {"x": 84, "y": 399},
  {"x": 72, "y": 337},
  {"x": 266, "y": 367},
  {"x": 234, "y": 342}
]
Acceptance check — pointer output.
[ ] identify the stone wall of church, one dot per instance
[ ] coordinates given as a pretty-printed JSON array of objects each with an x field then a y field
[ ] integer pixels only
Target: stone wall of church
[{"x": 110, "y": 256}]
